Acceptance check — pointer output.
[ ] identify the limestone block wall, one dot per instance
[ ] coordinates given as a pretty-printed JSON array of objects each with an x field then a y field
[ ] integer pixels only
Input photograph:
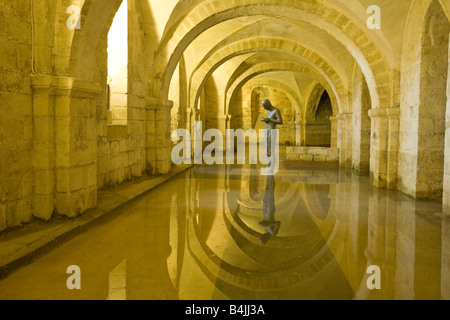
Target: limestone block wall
[
  {"x": 16, "y": 130},
  {"x": 312, "y": 154},
  {"x": 318, "y": 134},
  {"x": 124, "y": 157}
]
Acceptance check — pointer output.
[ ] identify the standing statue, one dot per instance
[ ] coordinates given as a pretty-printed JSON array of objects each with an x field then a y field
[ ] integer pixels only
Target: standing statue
[{"x": 273, "y": 119}]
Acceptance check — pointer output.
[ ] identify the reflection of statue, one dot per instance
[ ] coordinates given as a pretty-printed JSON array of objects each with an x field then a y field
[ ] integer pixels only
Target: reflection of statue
[
  {"x": 272, "y": 226},
  {"x": 273, "y": 119}
]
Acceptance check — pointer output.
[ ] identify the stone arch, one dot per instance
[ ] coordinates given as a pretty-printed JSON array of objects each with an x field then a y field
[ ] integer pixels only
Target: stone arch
[
  {"x": 316, "y": 133},
  {"x": 313, "y": 100},
  {"x": 371, "y": 60},
  {"x": 361, "y": 123},
  {"x": 295, "y": 67},
  {"x": 296, "y": 99},
  {"x": 424, "y": 100},
  {"x": 208, "y": 66}
]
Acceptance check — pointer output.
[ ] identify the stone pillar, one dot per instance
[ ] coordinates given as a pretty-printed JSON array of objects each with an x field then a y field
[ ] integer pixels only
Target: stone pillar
[
  {"x": 446, "y": 185},
  {"x": 224, "y": 123},
  {"x": 384, "y": 147},
  {"x": 298, "y": 134},
  {"x": 344, "y": 139},
  {"x": 159, "y": 144},
  {"x": 334, "y": 132},
  {"x": 65, "y": 147}
]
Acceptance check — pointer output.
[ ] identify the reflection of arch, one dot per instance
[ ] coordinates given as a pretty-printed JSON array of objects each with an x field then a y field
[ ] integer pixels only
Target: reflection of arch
[{"x": 302, "y": 258}]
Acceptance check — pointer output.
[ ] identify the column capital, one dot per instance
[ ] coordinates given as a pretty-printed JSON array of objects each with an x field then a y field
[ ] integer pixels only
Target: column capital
[
  {"x": 157, "y": 103},
  {"x": 65, "y": 86},
  {"x": 393, "y": 112},
  {"x": 344, "y": 116}
]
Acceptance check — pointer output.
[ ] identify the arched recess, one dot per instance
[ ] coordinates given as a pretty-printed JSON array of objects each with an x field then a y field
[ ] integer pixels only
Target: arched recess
[
  {"x": 290, "y": 66},
  {"x": 424, "y": 99},
  {"x": 256, "y": 45},
  {"x": 313, "y": 100},
  {"x": 370, "y": 59},
  {"x": 318, "y": 123}
]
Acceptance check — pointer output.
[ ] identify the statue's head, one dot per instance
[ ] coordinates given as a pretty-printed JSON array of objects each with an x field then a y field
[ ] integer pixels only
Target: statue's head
[{"x": 267, "y": 105}]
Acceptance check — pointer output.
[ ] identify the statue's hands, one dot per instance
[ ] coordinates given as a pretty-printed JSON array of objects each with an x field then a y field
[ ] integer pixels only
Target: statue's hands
[{"x": 264, "y": 120}]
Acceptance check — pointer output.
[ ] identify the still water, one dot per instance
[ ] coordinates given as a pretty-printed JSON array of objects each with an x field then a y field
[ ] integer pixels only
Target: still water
[{"x": 229, "y": 233}]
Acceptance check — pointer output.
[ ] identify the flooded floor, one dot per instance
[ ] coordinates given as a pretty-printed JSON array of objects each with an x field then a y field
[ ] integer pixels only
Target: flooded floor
[{"x": 228, "y": 232}]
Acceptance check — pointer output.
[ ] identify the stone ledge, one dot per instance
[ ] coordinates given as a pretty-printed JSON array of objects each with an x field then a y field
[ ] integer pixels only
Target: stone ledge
[
  {"x": 21, "y": 247},
  {"x": 312, "y": 154}
]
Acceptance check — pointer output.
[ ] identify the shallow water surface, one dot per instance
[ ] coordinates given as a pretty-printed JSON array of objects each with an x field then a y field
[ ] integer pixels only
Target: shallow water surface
[{"x": 229, "y": 233}]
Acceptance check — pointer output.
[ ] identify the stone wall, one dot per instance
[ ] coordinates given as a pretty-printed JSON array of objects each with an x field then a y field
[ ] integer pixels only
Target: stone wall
[
  {"x": 16, "y": 122},
  {"x": 312, "y": 154}
]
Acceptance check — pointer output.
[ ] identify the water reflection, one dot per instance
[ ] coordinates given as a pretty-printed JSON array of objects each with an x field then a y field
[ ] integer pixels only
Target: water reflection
[
  {"x": 199, "y": 237},
  {"x": 269, "y": 223},
  {"x": 335, "y": 225}
]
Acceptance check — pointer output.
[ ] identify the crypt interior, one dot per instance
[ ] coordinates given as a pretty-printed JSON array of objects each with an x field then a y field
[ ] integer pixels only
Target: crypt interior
[{"x": 92, "y": 90}]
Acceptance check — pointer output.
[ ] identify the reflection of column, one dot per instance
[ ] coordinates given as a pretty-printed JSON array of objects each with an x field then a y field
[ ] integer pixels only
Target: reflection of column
[
  {"x": 358, "y": 228},
  {"x": 446, "y": 185},
  {"x": 384, "y": 146},
  {"x": 421, "y": 256},
  {"x": 445, "y": 273},
  {"x": 159, "y": 144},
  {"x": 381, "y": 249},
  {"x": 148, "y": 250}
]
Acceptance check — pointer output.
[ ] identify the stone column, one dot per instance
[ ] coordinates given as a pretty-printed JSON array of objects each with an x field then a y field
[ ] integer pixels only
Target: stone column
[
  {"x": 384, "y": 147},
  {"x": 446, "y": 185},
  {"x": 393, "y": 147},
  {"x": 43, "y": 148},
  {"x": 224, "y": 123},
  {"x": 344, "y": 139},
  {"x": 159, "y": 144},
  {"x": 298, "y": 133},
  {"x": 334, "y": 132},
  {"x": 65, "y": 147}
]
